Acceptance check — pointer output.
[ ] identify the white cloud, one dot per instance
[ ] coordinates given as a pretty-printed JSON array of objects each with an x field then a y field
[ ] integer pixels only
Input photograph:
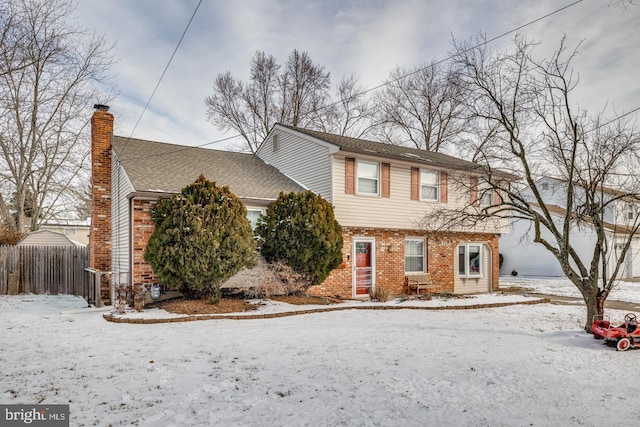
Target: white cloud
[{"x": 366, "y": 38}]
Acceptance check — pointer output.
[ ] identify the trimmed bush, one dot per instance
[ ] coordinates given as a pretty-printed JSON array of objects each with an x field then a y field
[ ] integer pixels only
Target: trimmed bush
[
  {"x": 202, "y": 237},
  {"x": 300, "y": 229}
]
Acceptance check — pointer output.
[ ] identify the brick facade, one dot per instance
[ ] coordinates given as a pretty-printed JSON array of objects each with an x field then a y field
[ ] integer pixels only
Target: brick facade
[
  {"x": 389, "y": 256},
  {"x": 390, "y": 262},
  {"x": 100, "y": 233},
  {"x": 142, "y": 229}
]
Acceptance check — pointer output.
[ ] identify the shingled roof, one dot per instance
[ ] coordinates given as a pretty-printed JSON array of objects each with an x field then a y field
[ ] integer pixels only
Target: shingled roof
[
  {"x": 168, "y": 168},
  {"x": 363, "y": 146}
]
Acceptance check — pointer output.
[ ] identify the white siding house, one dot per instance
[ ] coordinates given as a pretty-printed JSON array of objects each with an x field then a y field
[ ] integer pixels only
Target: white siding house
[{"x": 523, "y": 256}]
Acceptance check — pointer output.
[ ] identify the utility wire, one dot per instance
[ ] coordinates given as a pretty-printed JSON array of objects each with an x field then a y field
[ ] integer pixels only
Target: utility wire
[
  {"x": 163, "y": 72},
  {"x": 386, "y": 83}
]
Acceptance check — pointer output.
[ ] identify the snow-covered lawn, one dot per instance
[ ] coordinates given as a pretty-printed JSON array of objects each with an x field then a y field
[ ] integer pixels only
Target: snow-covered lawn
[
  {"x": 622, "y": 291},
  {"x": 510, "y": 366}
]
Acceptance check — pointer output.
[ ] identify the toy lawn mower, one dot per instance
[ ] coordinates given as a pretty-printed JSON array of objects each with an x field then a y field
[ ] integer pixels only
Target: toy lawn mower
[{"x": 622, "y": 337}]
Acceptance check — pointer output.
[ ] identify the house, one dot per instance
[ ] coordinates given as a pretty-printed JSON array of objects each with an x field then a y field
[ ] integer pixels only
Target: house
[
  {"x": 75, "y": 230},
  {"x": 130, "y": 175},
  {"x": 381, "y": 195},
  {"x": 524, "y": 257}
]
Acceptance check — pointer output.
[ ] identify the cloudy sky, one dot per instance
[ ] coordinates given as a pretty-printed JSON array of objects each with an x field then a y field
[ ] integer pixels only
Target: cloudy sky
[{"x": 367, "y": 38}]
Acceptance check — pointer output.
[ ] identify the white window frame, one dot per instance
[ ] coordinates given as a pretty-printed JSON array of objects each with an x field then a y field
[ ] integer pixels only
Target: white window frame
[
  {"x": 436, "y": 186},
  {"x": 261, "y": 211},
  {"x": 70, "y": 231},
  {"x": 377, "y": 179},
  {"x": 467, "y": 273},
  {"x": 424, "y": 255},
  {"x": 485, "y": 193},
  {"x": 631, "y": 212}
]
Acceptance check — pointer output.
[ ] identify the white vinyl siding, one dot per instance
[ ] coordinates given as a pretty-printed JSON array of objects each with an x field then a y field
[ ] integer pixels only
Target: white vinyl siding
[
  {"x": 121, "y": 187},
  {"x": 302, "y": 159},
  {"x": 478, "y": 276},
  {"x": 398, "y": 210}
]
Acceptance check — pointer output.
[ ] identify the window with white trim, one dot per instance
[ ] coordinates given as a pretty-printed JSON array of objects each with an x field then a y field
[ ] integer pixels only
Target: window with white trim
[
  {"x": 485, "y": 193},
  {"x": 429, "y": 185},
  {"x": 470, "y": 260},
  {"x": 631, "y": 212},
  {"x": 414, "y": 256},
  {"x": 368, "y": 178},
  {"x": 253, "y": 215},
  {"x": 70, "y": 232}
]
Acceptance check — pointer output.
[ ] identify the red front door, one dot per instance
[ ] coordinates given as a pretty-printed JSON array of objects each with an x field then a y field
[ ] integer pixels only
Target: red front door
[{"x": 363, "y": 268}]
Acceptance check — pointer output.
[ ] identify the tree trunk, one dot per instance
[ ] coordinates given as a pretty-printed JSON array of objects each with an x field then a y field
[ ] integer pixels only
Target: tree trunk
[
  {"x": 594, "y": 301},
  {"x": 592, "y": 311}
]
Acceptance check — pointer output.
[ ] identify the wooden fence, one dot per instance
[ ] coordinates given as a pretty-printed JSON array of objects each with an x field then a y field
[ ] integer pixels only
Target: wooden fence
[{"x": 38, "y": 269}]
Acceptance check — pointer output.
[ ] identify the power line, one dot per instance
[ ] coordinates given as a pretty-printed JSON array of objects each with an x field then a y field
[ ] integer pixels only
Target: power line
[
  {"x": 613, "y": 120},
  {"x": 386, "y": 83},
  {"x": 164, "y": 71}
]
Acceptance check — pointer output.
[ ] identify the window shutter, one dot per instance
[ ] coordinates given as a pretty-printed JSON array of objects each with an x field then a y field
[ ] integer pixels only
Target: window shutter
[
  {"x": 386, "y": 180},
  {"x": 474, "y": 191},
  {"x": 350, "y": 175},
  {"x": 443, "y": 188},
  {"x": 415, "y": 183}
]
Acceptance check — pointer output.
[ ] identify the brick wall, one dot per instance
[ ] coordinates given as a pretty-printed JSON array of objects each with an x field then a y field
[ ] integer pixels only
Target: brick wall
[
  {"x": 389, "y": 255},
  {"x": 100, "y": 233},
  {"x": 142, "y": 229},
  {"x": 389, "y": 259}
]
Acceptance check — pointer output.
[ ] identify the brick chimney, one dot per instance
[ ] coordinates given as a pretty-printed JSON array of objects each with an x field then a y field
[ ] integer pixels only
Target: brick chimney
[{"x": 100, "y": 234}]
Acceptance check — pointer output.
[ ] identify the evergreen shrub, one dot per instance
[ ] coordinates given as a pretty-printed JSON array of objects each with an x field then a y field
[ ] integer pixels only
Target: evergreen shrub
[
  {"x": 300, "y": 229},
  {"x": 202, "y": 237}
]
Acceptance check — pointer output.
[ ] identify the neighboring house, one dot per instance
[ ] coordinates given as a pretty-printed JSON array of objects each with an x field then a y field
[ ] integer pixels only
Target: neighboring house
[
  {"x": 75, "y": 230},
  {"x": 381, "y": 194},
  {"x": 46, "y": 238},
  {"x": 130, "y": 175},
  {"x": 524, "y": 257}
]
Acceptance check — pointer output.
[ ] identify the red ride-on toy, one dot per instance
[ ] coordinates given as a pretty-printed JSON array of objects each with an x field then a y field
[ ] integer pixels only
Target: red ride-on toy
[{"x": 621, "y": 337}]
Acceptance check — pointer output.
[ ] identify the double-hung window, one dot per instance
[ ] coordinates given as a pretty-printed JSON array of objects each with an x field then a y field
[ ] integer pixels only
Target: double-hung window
[
  {"x": 414, "y": 256},
  {"x": 368, "y": 178},
  {"x": 485, "y": 193},
  {"x": 470, "y": 260},
  {"x": 631, "y": 212},
  {"x": 429, "y": 185}
]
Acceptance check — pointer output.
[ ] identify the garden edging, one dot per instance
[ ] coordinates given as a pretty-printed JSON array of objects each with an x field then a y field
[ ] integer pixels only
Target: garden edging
[{"x": 111, "y": 317}]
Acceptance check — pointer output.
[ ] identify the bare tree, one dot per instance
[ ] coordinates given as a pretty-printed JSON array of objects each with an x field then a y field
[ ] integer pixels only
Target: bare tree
[
  {"x": 422, "y": 108},
  {"x": 296, "y": 94},
  {"x": 535, "y": 130},
  {"x": 43, "y": 107},
  {"x": 351, "y": 114}
]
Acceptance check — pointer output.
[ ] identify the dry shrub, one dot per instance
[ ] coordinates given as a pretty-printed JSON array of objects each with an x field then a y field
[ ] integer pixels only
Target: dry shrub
[
  {"x": 9, "y": 237},
  {"x": 380, "y": 294},
  {"x": 279, "y": 280}
]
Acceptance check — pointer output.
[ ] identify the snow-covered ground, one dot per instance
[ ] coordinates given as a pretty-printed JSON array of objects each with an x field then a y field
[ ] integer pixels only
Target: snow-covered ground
[
  {"x": 622, "y": 291},
  {"x": 511, "y": 366}
]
